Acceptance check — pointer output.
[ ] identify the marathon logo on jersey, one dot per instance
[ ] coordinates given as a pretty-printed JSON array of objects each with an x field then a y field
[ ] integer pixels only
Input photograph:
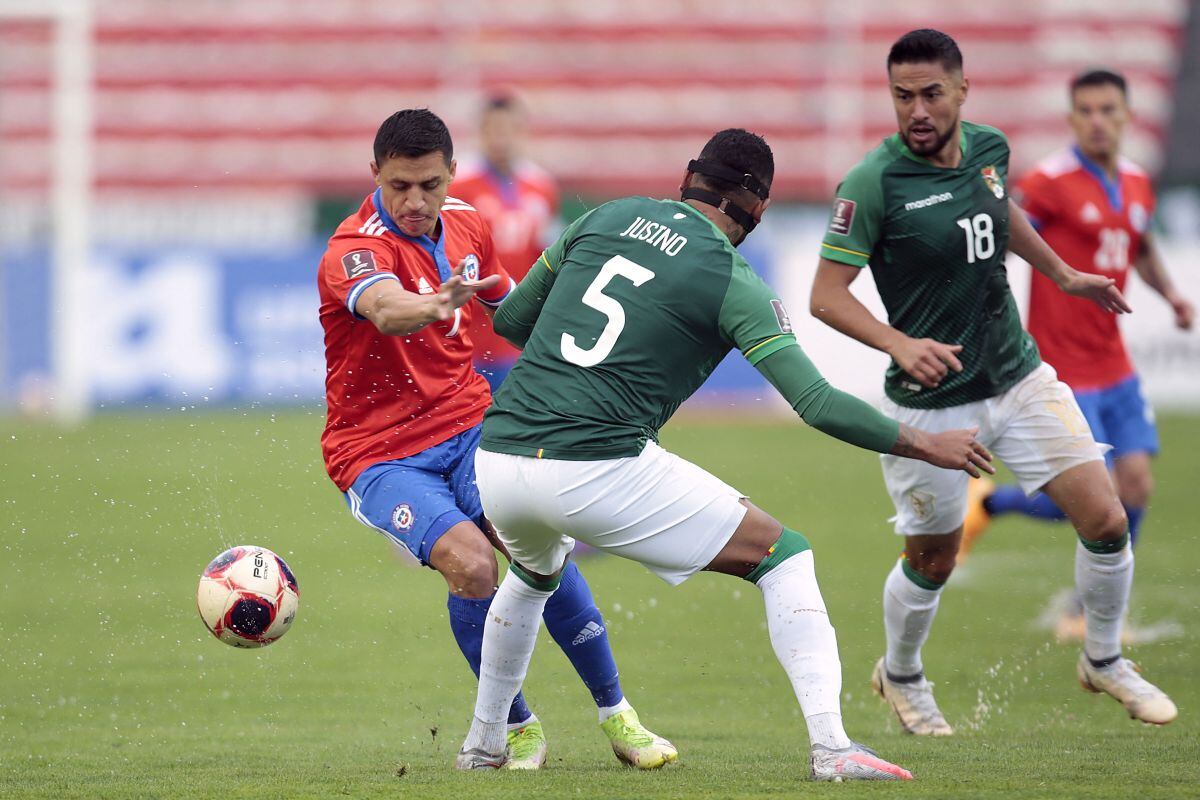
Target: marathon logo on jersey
[
  {"x": 471, "y": 267},
  {"x": 992, "y": 178},
  {"x": 843, "y": 216},
  {"x": 781, "y": 316},
  {"x": 926, "y": 202},
  {"x": 403, "y": 518},
  {"x": 358, "y": 263}
]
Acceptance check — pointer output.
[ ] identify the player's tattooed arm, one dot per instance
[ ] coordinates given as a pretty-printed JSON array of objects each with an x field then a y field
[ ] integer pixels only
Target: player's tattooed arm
[
  {"x": 1029, "y": 245},
  {"x": 957, "y": 449},
  {"x": 398, "y": 312}
]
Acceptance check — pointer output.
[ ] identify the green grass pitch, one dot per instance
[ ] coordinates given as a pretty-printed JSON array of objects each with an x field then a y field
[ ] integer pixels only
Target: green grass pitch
[{"x": 111, "y": 687}]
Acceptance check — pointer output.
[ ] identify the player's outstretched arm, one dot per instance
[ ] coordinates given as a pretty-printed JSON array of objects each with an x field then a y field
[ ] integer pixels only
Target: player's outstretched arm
[
  {"x": 1029, "y": 245},
  {"x": 926, "y": 360},
  {"x": 1150, "y": 268},
  {"x": 398, "y": 312},
  {"x": 516, "y": 316},
  {"x": 844, "y": 416}
]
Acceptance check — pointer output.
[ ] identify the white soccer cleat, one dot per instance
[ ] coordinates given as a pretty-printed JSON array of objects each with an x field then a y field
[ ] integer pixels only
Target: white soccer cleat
[
  {"x": 853, "y": 763},
  {"x": 913, "y": 703},
  {"x": 478, "y": 759},
  {"x": 1120, "y": 680}
]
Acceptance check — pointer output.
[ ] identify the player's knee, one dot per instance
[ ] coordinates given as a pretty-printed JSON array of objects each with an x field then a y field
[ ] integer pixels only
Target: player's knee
[
  {"x": 1109, "y": 525},
  {"x": 934, "y": 562},
  {"x": 469, "y": 567}
]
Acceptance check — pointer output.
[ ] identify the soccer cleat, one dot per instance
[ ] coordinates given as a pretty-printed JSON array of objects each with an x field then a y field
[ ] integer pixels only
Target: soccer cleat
[
  {"x": 1120, "y": 680},
  {"x": 634, "y": 744},
  {"x": 853, "y": 763},
  {"x": 978, "y": 519},
  {"x": 526, "y": 747},
  {"x": 913, "y": 703},
  {"x": 478, "y": 759}
]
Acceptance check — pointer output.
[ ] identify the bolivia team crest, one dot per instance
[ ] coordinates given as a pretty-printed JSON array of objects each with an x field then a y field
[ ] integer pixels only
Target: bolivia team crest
[
  {"x": 471, "y": 268},
  {"x": 992, "y": 178}
]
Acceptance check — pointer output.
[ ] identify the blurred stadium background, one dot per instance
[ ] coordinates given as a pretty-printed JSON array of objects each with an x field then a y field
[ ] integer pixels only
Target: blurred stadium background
[{"x": 169, "y": 171}]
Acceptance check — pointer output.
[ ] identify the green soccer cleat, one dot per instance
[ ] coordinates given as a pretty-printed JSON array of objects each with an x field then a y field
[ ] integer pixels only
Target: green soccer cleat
[
  {"x": 526, "y": 747},
  {"x": 636, "y": 746}
]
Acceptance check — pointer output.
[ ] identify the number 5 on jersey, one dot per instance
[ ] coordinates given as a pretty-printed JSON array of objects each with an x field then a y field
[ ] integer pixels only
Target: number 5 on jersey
[{"x": 609, "y": 307}]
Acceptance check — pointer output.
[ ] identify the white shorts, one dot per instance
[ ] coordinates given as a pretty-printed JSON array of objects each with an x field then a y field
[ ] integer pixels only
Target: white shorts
[
  {"x": 654, "y": 508},
  {"x": 1035, "y": 428}
]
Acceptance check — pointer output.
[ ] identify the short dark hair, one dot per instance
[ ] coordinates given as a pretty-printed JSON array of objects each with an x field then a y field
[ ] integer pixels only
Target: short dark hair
[
  {"x": 412, "y": 133},
  {"x": 923, "y": 46},
  {"x": 501, "y": 101},
  {"x": 1099, "y": 76},
  {"x": 739, "y": 150}
]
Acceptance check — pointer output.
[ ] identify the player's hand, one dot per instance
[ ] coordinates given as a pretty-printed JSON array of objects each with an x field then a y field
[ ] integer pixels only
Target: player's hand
[
  {"x": 1100, "y": 290},
  {"x": 1185, "y": 312},
  {"x": 959, "y": 449},
  {"x": 458, "y": 291},
  {"x": 926, "y": 360}
]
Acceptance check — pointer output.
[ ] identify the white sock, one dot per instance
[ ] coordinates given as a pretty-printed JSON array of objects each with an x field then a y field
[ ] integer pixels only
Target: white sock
[
  {"x": 516, "y": 726},
  {"x": 508, "y": 638},
  {"x": 1102, "y": 581},
  {"x": 908, "y": 612},
  {"x": 612, "y": 711},
  {"x": 806, "y": 646}
]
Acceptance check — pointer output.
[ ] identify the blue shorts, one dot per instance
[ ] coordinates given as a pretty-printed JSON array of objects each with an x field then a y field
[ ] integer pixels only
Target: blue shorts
[
  {"x": 415, "y": 500},
  {"x": 1119, "y": 415},
  {"x": 494, "y": 372}
]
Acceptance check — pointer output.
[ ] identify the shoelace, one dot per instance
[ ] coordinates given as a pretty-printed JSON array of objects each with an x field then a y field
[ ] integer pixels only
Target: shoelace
[
  {"x": 636, "y": 735},
  {"x": 1140, "y": 686},
  {"x": 523, "y": 746},
  {"x": 921, "y": 696}
]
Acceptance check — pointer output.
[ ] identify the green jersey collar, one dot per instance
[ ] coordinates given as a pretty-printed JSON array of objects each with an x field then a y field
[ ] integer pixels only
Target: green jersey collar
[{"x": 899, "y": 144}]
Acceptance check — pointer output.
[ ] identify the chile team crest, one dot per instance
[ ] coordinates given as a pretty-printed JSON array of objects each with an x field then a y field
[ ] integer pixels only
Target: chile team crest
[
  {"x": 992, "y": 178},
  {"x": 403, "y": 517},
  {"x": 471, "y": 267}
]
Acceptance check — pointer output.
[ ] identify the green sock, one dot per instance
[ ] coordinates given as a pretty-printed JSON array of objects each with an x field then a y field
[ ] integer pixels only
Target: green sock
[{"x": 790, "y": 543}]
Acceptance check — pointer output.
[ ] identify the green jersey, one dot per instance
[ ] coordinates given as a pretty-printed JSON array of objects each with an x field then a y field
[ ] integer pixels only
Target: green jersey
[
  {"x": 935, "y": 239},
  {"x": 639, "y": 300}
]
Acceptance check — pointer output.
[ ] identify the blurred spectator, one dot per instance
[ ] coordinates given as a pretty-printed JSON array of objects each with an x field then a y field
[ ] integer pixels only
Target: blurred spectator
[{"x": 518, "y": 200}]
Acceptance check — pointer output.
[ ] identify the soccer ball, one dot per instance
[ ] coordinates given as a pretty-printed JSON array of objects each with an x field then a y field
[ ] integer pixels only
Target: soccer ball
[{"x": 248, "y": 597}]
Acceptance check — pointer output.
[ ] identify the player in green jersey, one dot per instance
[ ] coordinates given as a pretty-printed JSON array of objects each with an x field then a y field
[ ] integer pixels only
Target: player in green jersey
[
  {"x": 929, "y": 212},
  {"x": 620, "y": 321}
]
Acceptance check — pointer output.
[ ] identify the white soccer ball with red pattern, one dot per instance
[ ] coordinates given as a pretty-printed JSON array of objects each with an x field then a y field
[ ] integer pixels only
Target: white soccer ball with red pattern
[{"x": 248, "y": 596}]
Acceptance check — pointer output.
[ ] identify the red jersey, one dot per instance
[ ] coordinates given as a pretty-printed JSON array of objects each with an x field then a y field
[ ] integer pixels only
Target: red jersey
[
  {"x": 390, "y": 397},
  {"x": 1095, "y": 224},
  {"x": 519, "y": 210}
]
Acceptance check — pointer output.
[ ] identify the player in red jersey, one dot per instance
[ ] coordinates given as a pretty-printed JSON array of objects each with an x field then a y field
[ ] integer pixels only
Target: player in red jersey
[
  {"x": 519, "y": 202},
  {"x": 404, "y": 408},
  {"x": 1093, "y": 207}
]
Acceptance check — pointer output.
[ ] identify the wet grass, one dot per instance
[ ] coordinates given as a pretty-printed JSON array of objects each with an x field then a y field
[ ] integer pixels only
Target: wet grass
[{"x": 111, "y": 687}]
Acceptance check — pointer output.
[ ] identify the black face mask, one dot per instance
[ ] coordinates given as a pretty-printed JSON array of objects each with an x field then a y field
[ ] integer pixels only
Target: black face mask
[{"x": 723, "y": 204}]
